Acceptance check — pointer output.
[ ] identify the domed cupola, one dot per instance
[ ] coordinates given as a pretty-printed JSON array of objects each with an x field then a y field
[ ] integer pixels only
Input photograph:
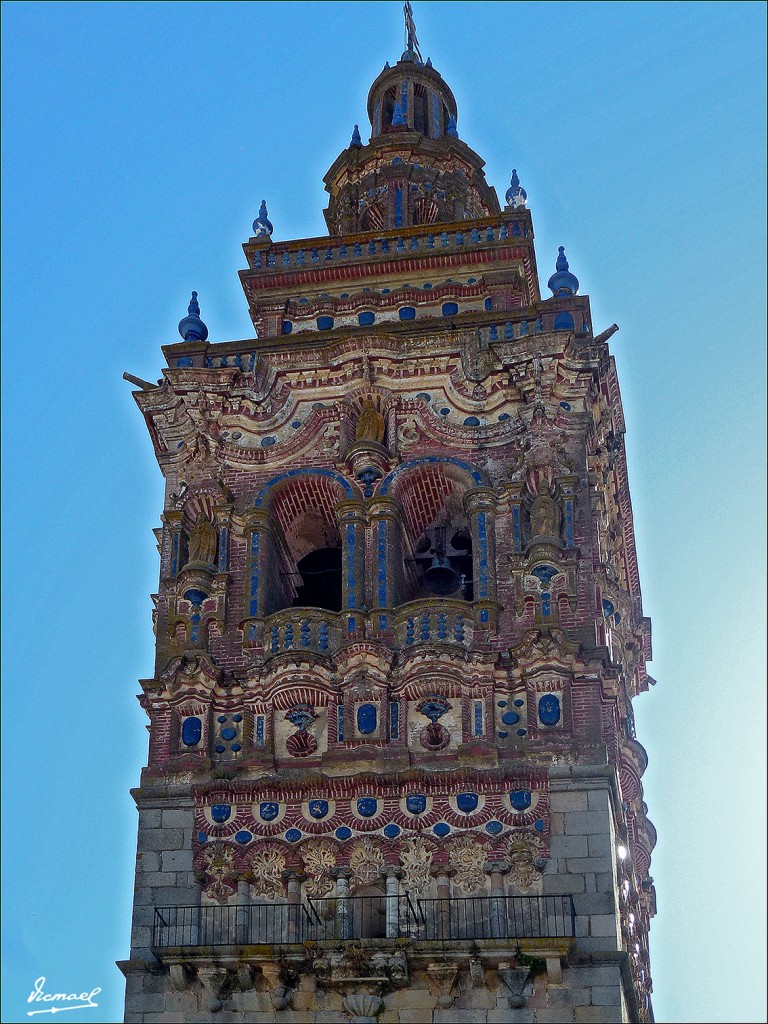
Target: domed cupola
[{"x": 415, "y": 169}]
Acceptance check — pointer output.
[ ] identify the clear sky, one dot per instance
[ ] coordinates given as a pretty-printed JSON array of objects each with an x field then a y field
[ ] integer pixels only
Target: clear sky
[{"x": 138, "y": 141}]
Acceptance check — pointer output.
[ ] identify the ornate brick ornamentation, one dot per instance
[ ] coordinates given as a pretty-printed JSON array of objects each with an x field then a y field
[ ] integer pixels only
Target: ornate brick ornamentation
[{"x": 399, "y": 623}]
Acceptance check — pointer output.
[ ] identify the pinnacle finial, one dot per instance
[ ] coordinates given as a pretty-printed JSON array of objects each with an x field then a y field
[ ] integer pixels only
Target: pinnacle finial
[
  {"x": 262, "y": 225},
  {"x": 515, "y": 195},
  {"x": 191, "y": 327},
  {"x": 563, "y": 282},
  {"x": 451, "y": 127},
  {"x": 356, "y": 140},
  {"x": 397, "y": 115}
]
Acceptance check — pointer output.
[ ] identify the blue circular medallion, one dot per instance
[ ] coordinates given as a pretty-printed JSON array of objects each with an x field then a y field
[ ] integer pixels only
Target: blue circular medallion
[
  {"x": 391, "y": 831},
  {"x": 237, "y": 718},
  {"x": 343, "y": 833},
  {"x": 442, "y": 828},
  {"x": 220, "y": 813},
  {"x": 220, "y": 748},
  {"x": 243, "y": 837},
  {"x": 201, "y": 837},
  {"x": 221, "y": 718},
  {"x": 520, "y": 799},
  {"x": 539, "y": 826},
  {"x": 503, "y": 735},
  {"x": 521, "y": 732},
  {"x": 293, "y": 835},
  {"x": 494, "y": 828},
  {"x": 228, "y": 733},
  {"x": 519, "y": 703},
  {"x": 510, "y": 718},
  {"x": 549, "y": 709}
]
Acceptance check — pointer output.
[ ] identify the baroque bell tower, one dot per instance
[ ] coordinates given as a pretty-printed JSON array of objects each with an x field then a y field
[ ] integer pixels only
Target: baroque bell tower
[{"x": 392, "y": 771}]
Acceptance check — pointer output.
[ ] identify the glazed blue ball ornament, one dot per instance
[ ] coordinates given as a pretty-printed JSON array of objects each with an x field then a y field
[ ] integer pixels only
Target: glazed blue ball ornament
[
  {"x": 262, "y": 225},
  {"x": 192, "y": 328}
]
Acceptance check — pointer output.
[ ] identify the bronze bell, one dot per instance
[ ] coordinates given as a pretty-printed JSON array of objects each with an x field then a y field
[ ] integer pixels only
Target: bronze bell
[{"x": 441, "y": 579}]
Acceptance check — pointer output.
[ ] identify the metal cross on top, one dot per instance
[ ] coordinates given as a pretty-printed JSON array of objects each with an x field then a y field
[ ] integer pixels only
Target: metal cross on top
[{"x": 411, "y": 42}]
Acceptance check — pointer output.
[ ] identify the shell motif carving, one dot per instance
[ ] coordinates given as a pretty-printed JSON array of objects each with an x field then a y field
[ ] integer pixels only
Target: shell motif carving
[
  {"x": 467, "y": 856},
  {"x": 416, "y": 859},
  {"x": 318, "y": 858},
  {"x": 367, "y": 863},
  {"x": 267, "y": 866}
]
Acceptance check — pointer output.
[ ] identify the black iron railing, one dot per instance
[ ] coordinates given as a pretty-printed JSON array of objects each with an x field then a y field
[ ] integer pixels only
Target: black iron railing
[{"x": 366, "y": 917}]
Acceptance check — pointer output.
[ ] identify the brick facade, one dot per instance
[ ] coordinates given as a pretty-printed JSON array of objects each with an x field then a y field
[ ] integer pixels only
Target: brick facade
[{"x": 419, "y": 799}]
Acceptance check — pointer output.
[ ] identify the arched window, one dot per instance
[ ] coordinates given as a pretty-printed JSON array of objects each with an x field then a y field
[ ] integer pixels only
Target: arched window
[{"x": 420, "y": 114}]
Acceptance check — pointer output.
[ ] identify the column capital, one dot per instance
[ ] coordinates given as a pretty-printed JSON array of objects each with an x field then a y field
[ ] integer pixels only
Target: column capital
[
  {"x": 480, "y": 499},
  {"x": 494, "y": 867}
]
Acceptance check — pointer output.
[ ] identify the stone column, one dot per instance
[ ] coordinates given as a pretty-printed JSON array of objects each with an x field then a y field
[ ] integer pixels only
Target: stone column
[
  {"x": 343, "y": 909},
  {"x": 442, "y": 922},
  {"x": 351, "y": 518},
  {"x": 222, "y": 515},
  {"x": 392, "y": 873},
  {"x": 173, "y": 521},
  {"x": 294, "y": 905},
  {"x": 385, "y": 523},
  {"x": 259, "y": 546},
  {"x": 480, "y": 507},
  {"x": 497, "y": 870},
  {"x": 242, "y": 902}
]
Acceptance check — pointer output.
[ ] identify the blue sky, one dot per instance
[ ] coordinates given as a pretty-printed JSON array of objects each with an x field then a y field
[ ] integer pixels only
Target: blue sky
[{"x": 138, "y": 141}]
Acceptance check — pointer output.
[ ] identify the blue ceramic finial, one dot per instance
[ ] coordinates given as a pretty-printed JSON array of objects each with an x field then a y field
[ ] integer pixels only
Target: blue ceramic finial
[
  {"x": 429, "y": 62},
  {"x": 397, "y": 115},
  {"x": 192, "y": 328},
  {"x": 262, "y": 225},
  {"x": 563, "y": 282},
  {"x": 515, "y": 195},
  {"x": 386, "y": 65},
  {"x": 356, "y": 140},
  {"x": 451, "y": 129}
]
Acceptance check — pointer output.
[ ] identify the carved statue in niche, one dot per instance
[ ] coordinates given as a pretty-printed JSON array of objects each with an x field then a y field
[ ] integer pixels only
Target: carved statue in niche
[
  {"x": 466, "y": 857},
  {"x": 545, "y": 516},
  {"x": 416, "y": 858},
  {"x": 370, "y": 423},
  {"x": 318, "y": 858},
  {"x": 267, "y": 866},
  {"x": 202, "y": 541},
  {"x": 367, "y": 863}
]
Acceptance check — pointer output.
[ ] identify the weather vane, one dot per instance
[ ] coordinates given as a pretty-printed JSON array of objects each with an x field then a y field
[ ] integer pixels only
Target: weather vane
[{"x": 411, "y": 42}]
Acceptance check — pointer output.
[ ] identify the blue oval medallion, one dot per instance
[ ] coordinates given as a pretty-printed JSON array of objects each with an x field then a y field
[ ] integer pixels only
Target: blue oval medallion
[
  {"x": 318, "y": 808},
  {"x": 268, "y": 810},
  {"x": 549, "y": 709},
  {"x": 467, "y": 802},
  {"x": 494, "y": 828},
  {"x": 539, "y": 826},
  {"x": 510, "y": 718},
  {"x": 220, "y": 813},
  {"x": 293, "y": 835},
  {"x": 520, "y": 799},
  {"x": 201, "y": 837},
  {"x": 191, "y": 731},
  {"x": 343, "y": 833},
  {"x": 243, "y": 837},
  {"x": 441, "y": 829},
  {"x": 416, "y": 804},
  {"x": 391, "y": 831},
  {"x": 367, "y": 806},
  {"x": 366, "y": 719}
]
